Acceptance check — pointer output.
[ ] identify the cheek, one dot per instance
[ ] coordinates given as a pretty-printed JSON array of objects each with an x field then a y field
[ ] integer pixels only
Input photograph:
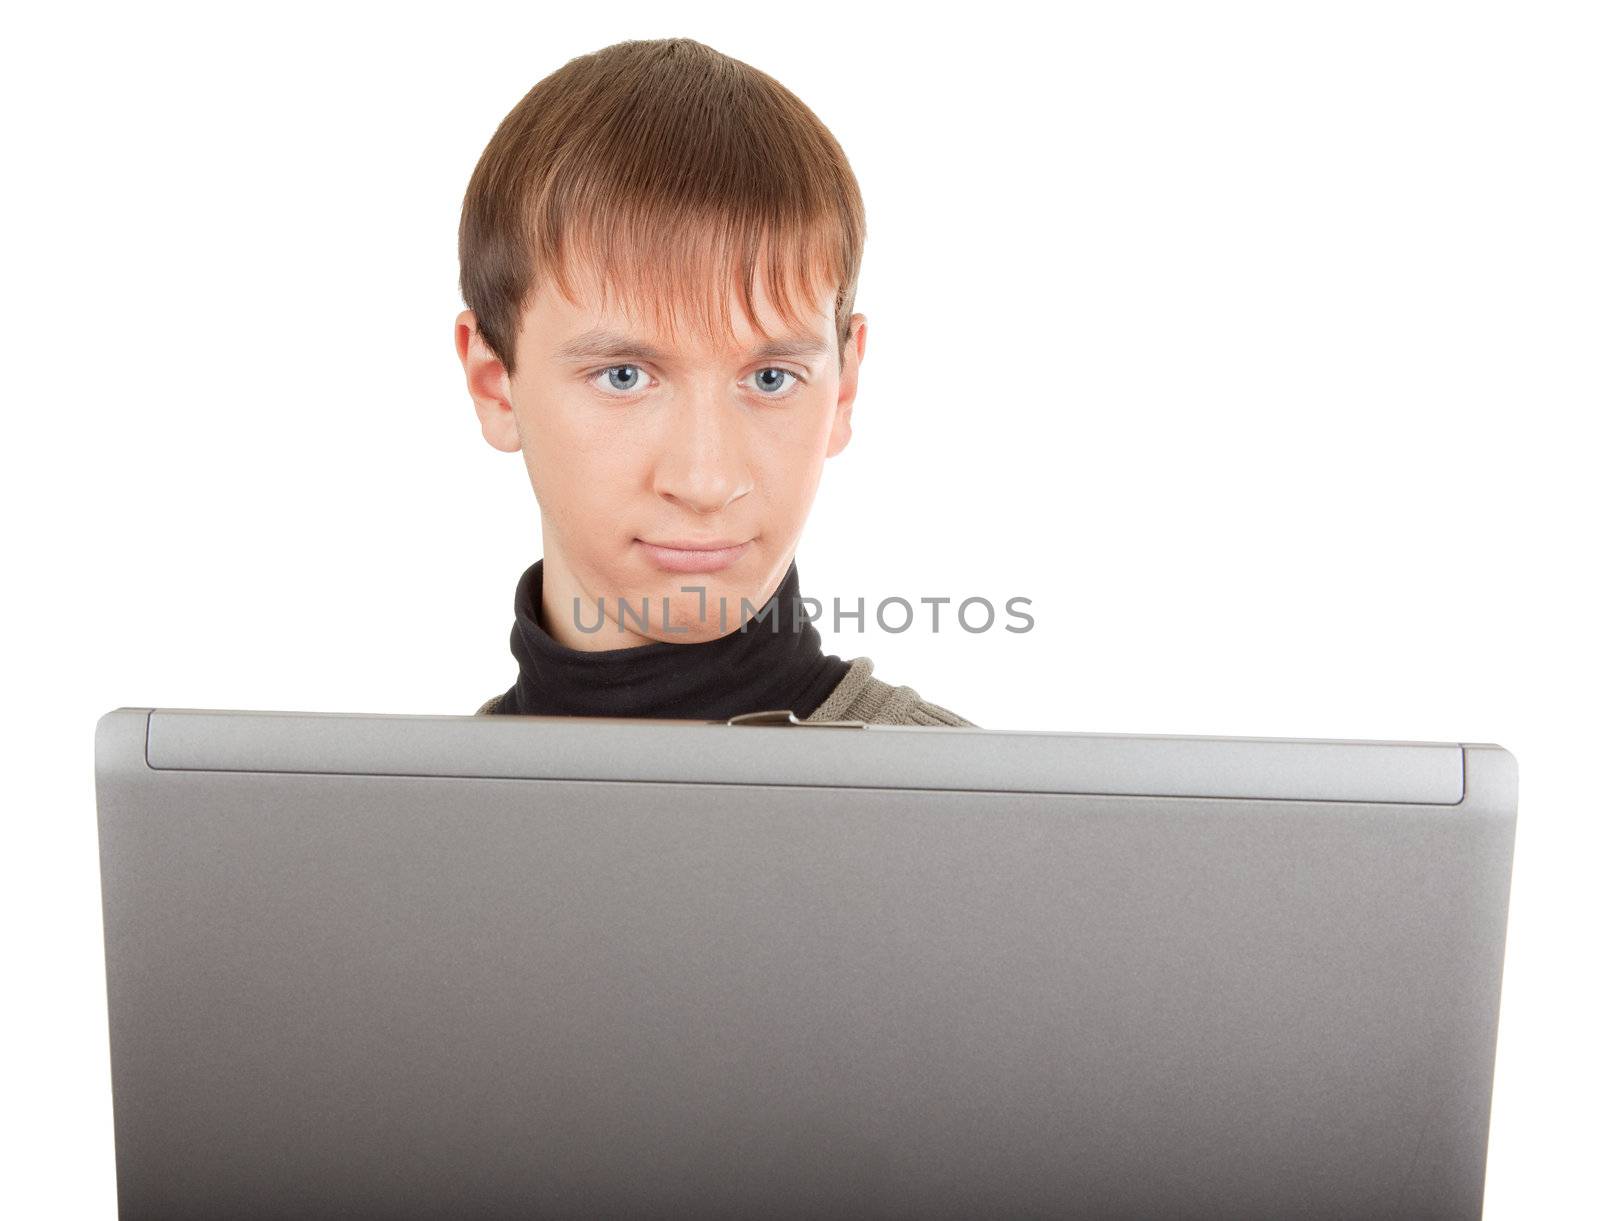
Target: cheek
[
  {"x": 582, "y": 457},
  {"x": 791, "y": 461}
]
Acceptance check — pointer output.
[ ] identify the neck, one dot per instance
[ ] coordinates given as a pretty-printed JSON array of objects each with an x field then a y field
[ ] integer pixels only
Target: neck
[{"x": 773, "y": 660}]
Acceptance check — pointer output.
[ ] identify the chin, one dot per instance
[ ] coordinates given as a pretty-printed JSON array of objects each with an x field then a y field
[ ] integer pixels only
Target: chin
[{"x": 694, "y": 615}]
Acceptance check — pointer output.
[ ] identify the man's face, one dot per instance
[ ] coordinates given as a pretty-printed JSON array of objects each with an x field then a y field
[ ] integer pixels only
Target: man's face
[{"x": 635, "y": 443}]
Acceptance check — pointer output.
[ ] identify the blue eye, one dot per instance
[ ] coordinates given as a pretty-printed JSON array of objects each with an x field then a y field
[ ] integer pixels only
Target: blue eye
[
  {"x": 627, "y": 383},
  {"x": 761, "y": 381}
]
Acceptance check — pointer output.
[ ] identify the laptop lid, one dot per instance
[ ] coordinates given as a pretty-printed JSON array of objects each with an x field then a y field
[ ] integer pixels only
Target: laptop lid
[{"x": 419, "y": 966}]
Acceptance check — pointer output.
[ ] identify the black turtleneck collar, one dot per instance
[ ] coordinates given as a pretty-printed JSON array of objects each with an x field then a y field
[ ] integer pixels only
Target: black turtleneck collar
[{"x": 774, "y": 661}]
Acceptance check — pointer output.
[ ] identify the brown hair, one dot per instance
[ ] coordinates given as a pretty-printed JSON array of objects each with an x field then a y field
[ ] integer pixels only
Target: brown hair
[{"x": 672, "y": 170}]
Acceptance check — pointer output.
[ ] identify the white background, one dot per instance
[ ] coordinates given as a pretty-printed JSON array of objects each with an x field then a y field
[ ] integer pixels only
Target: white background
[{"x": 1257, "y": 345}]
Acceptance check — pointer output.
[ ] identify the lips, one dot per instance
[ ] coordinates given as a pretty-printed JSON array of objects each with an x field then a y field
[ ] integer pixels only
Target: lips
[
  {"x": 689, "y": 555},
  {"x": 689, "y": 544}
]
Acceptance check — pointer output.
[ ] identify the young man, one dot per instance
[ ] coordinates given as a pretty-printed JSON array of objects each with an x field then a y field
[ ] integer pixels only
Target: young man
[{"x": 659, "y": 254}]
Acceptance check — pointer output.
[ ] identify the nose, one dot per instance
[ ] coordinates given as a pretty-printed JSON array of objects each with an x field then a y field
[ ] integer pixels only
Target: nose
[{"x": 702, "y": 464}]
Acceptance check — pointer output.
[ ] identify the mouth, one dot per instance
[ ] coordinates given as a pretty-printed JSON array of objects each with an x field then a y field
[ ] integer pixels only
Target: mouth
[{"x": 691, "y": 555}]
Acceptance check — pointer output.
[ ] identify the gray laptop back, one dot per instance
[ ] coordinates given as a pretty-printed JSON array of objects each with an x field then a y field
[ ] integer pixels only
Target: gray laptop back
[{"x": 409, "y": 966}]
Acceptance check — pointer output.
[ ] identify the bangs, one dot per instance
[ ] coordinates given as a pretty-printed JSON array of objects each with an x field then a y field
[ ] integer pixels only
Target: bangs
[{"x": 682, "y": 275}]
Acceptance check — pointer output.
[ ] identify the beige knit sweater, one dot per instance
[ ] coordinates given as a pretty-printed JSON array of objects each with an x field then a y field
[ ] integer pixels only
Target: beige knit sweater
[{"x": 860, "y": 697}]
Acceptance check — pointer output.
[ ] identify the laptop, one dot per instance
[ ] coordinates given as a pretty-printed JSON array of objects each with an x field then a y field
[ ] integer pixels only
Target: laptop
[{"x": 493, "y": 967}]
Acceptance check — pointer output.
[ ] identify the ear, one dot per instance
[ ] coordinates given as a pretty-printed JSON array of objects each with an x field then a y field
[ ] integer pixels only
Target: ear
[
  {"x": 849, "y": 376},
  {"x": 489, "y": 385}
]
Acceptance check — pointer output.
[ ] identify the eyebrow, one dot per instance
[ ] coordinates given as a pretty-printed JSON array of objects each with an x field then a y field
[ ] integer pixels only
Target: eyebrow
[{"x": 603, "y": 344}]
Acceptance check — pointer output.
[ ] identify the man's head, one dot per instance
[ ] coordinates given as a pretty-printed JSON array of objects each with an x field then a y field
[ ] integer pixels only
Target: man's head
[{"x": 659, "y": 252}]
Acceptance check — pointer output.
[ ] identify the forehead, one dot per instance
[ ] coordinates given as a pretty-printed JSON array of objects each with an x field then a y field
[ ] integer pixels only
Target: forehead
[{"x": 601, "y": 319}]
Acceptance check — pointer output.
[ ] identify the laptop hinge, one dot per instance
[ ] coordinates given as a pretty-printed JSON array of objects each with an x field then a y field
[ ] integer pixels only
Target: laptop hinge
[{"x": 786, "y": 716}]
